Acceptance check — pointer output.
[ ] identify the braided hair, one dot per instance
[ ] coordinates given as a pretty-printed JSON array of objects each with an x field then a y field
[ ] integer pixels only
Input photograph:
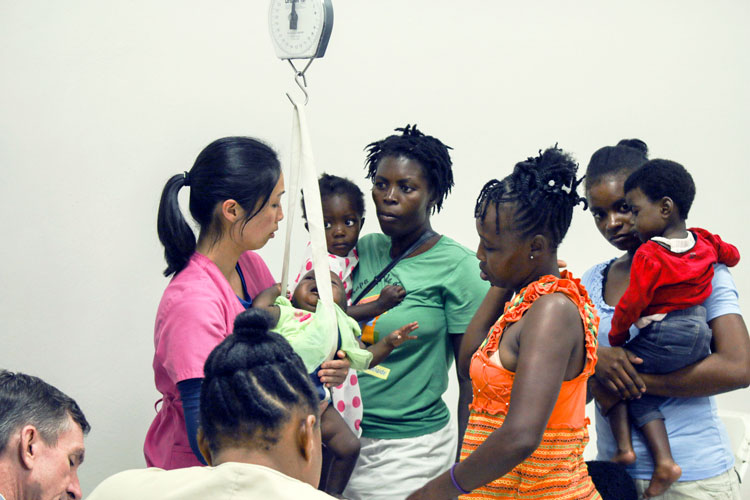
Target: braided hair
[
  {"x": 627, "y": 156},
  {"x": 543, "y": 190},
  {"x": 253, "y": 382},
  {"x": 428, "y": 151}
]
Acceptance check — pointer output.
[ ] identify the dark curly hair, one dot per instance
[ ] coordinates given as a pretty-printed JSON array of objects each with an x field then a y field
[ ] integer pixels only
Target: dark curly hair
[
  {"x": 543, "y": 190},
  {"x": 253, "y": 382},
  {"x": 660, "y": 178},
  {"x": 428, "y": 151},
  {"x": 331, "y": 185},
  {"x": 627, "y": 156}
]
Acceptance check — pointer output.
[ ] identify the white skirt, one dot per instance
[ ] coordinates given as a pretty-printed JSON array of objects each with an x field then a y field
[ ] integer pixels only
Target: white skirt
[{"x": 392, "y": 469}]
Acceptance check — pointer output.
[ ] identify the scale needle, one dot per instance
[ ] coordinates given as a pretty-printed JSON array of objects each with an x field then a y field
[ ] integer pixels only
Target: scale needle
[{"x": 293, "y": 17}]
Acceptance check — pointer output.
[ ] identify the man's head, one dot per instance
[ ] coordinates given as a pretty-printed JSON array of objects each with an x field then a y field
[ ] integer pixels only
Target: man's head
[{"x": 41, "y": 439}]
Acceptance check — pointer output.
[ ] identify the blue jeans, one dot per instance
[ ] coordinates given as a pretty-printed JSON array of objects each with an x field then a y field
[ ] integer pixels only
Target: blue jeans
[{"x": 680, "y": 339}]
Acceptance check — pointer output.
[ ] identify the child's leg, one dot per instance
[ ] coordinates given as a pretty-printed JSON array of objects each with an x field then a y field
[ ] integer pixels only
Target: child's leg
[
  {"x": 620, "y": 425},
  {"x": 649, "y": 419},
  {"x": 344, "y": 445},
  {"x": 666, "y": 471}
]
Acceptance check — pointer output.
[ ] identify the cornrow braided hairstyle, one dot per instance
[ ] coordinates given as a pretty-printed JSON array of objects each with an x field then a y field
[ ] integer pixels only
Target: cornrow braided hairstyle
[
  {"x": 331, "y": 185},
  {"x": 543, "y": 190},
  {"x": 253, "y": 382},
  {"x": 627, "y": 156},
  {"x": 428, "y": 151}
]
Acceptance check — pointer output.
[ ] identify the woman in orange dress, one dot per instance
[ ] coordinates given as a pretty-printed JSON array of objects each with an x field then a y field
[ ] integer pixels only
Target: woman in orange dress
[{"x": 527, "y": 428}]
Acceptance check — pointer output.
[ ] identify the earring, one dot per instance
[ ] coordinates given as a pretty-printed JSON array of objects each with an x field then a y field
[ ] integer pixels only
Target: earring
[{"x": 531, "y": 257}]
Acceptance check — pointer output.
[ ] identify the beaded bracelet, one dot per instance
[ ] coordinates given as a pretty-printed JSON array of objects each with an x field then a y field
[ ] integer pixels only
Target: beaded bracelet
[{"x": 455, "y": 483}]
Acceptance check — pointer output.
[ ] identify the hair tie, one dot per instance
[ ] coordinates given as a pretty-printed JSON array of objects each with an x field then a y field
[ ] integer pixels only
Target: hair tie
[
  {"x": 455, "y": 483},
  {"x": 186, "y": 179}
]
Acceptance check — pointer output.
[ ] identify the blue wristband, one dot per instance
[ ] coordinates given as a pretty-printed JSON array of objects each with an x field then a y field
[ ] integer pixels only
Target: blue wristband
[{"x": 455, "y": 483}]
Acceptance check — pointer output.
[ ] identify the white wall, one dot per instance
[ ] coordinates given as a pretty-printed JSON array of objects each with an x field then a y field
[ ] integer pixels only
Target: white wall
[{"x": 102, "y": 101}]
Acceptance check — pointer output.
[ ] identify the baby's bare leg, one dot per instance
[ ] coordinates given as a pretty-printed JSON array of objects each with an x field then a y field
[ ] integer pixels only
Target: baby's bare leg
[
  {"x": 666, "y": 470},
  {"x": 344, "y": 445},
  {"x": 620, "y": 425}
]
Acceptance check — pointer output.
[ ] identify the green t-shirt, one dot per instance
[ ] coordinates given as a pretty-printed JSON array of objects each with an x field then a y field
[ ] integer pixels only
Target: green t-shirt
[{"x": 402, "y": 396}]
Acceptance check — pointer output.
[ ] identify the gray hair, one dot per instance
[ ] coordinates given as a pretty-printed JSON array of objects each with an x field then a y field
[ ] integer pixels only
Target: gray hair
[{"x": 29, "y": 400}]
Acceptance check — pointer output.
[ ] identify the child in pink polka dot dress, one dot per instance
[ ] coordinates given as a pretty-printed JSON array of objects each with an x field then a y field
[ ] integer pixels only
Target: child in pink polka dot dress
[
  {"x": 343, "y": 215},
  {"x": 343, "y": 207}
]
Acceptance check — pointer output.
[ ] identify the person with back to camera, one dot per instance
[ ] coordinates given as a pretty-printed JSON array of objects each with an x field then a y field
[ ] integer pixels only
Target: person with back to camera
[
  {"x": 41, "y": 440},
  {"x": 670, "y": 278},
  {"x": 299, "y": 322},
  {"x": 696, "y": 435},
  {"x": 527, "y": 428},
  {"x": 406, "y": 438},
  {"x": 236, "y": 186},
  {"x": 259, "y": 430}
]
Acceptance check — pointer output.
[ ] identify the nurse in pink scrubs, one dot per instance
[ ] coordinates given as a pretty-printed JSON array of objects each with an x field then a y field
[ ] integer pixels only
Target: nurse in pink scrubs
[{"x": 236, "y": 186}]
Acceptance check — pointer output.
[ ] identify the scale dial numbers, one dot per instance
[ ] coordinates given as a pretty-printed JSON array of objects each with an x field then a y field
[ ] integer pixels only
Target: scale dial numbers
[{"x": 298, "y": 27}]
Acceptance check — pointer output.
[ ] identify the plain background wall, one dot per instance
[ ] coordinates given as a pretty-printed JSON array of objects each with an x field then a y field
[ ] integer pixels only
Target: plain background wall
[{"x": 100, "y": 102}]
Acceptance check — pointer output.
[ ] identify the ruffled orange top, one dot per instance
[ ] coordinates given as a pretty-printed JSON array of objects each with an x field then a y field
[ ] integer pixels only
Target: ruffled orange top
[{"x": 556, "y": 469}]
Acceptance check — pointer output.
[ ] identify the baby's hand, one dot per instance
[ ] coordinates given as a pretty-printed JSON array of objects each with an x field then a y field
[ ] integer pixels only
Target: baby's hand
[
  {"x": 267, "y": 296},
  {"x": 391, "y": 296},
  {"x": 398, "y": 337}
]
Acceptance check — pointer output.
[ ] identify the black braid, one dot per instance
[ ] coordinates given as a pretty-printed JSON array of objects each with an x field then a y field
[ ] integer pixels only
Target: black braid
[
  {"x": 543, "y": 190},
  {"x": 253, "y": 382},
  {"x": 428, "y": 151}
]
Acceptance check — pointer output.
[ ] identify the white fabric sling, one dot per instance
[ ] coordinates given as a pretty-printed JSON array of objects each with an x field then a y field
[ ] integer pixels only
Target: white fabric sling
[{"x": 302, "y": 171}]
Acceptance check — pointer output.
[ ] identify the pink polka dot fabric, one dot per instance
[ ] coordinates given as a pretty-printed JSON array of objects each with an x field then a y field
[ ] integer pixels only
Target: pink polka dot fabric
[
  {"x": 343, "y": 266},
  {"x": 347, "y": 400}
]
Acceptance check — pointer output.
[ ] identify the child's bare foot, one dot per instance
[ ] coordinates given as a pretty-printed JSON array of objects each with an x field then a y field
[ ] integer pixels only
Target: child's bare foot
[
  {"x": 624, "y": 457},
  {"x": 664, "y": 475}
]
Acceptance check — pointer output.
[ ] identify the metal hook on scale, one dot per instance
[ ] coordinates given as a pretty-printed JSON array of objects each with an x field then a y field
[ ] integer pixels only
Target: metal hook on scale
[{"x": 300, "y": 80}]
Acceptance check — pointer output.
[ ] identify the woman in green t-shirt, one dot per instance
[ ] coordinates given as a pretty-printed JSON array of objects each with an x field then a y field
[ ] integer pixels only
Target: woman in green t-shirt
[{"x": 406, "y": 438}]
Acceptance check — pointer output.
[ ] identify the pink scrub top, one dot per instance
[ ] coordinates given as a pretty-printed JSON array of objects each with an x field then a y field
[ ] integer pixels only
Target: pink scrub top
[{"x": 195, "y": 314}]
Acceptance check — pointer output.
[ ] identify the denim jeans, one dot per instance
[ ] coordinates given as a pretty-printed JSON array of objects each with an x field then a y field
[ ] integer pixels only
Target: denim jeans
[{"x": 680, "y": 339}]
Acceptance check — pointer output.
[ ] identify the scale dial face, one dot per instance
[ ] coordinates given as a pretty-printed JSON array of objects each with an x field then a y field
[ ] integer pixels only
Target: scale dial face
[{"x": 300, "y": 28}]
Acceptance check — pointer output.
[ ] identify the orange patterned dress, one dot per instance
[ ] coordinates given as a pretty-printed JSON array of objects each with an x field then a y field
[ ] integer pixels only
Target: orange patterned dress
[{"x": 556, "y": 469}]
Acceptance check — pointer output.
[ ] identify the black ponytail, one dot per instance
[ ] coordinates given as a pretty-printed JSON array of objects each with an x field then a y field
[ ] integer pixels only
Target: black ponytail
[
  {"x": 238, "y": 168},
  {"x": 174, "y": 232}
]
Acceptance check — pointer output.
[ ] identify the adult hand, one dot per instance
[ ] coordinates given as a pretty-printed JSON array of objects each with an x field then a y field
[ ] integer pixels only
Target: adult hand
[
  {"x": 333, "y": 372},
  {"x": 439, "y": 488},
  {"x": 615, "y": 370}
]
